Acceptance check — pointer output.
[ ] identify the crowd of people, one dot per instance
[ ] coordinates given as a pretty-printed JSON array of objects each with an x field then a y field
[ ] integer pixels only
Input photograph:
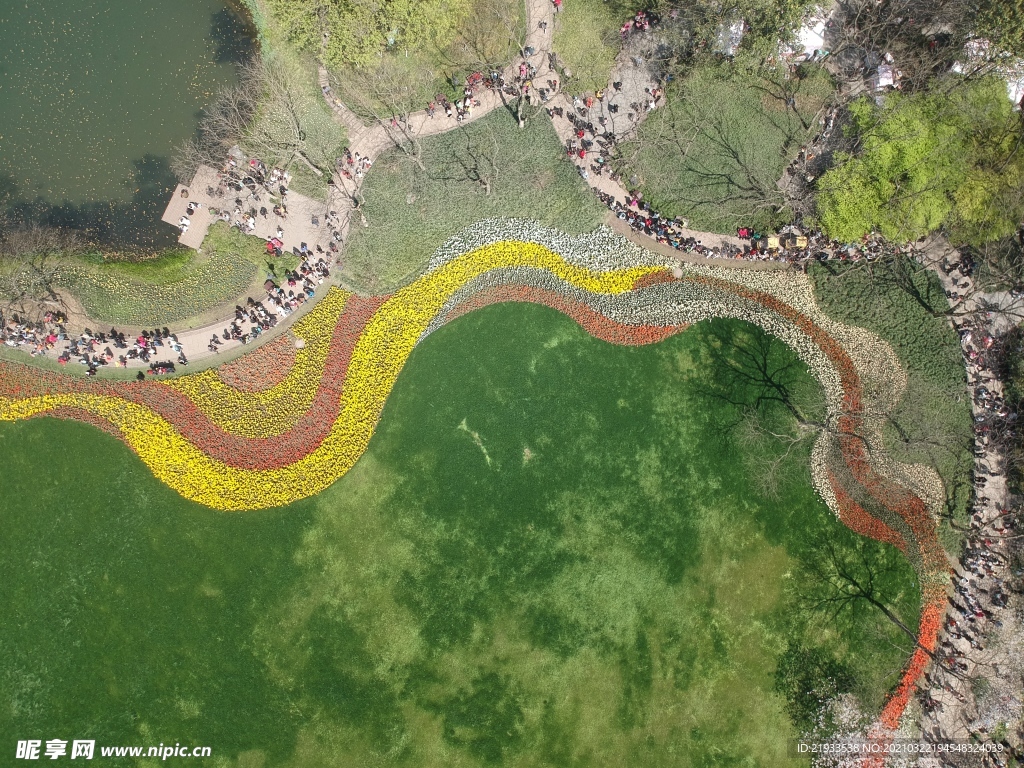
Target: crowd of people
[
  {"x": 461, "y": 108},
  {"x": 146, "y": 347},
  {"x": 93, "y": 349},
  {"x": 641, "y": 22},
  {"x": 590, "y": 145},
  {"x": 791, "y": 245},
  {"x": 353, "y": 167},
  {"x": 980, "y": 588},
  {"x": 260, "y": 185},
  {"x": 259, "y": 316},
  {"x": 246, "y": 190},
  {"x": 96, "y": 350},
  {"x": 36, "y": 338}
]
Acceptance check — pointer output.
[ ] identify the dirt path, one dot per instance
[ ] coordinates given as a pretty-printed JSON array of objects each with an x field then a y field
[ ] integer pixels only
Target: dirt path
[{"x": 708, "y": 239}]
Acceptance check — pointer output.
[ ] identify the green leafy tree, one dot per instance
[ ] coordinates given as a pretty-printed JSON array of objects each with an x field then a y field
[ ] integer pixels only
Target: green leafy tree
[
  {"x": 1002, "y": 22},
  {"x": 355, "y": 32},
  {"x": 945, "y": 159}
]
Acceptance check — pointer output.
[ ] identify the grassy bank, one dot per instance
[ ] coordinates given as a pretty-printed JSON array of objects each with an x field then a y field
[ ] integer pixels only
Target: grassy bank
[
  {"x": 412, "y": 210},
  {"x": 715, "y": 152},
  {"x": 932, "y": 424},
  {"x": 551, "y": 554},
  {"x": 587, "y": 41},
  {"x": 180, "y": 287}
]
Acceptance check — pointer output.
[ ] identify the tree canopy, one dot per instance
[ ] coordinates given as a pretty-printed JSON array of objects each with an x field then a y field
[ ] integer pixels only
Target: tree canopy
[
  {"x": 765, "y": 20},
  {"x": 949, "y": 158},
  {"x": 355, "y": 32},
  {"x": 1002, "y": 22}
]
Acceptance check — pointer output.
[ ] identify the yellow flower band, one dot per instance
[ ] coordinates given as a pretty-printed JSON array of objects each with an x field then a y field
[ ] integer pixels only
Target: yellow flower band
[
  {"x": 378, "y": 357},
  {"x": 274, "y": 410}
]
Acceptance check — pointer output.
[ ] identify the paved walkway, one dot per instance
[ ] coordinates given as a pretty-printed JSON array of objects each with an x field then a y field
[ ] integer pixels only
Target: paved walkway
[
  {"x": 371, "y": 140},
  {"x": 210, "y": 191},
  {"x": 956, "y": 708},
  {"x": 625, "y": 107},
  {"x": 708, "y": 239},
  {"x": 194, "y": 342}
]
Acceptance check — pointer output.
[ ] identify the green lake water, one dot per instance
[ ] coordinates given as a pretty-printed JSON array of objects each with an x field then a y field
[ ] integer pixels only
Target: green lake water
[
  {"x": 551, "y": 554},
  {"x": 95, "y": 94}
]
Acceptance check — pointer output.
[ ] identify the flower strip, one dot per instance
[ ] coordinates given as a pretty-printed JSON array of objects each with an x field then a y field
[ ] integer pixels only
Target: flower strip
[
  {"x": 591, "y": 321},
  {"x": 275, "y": 410},
  {"x": 910, "y": 508},
  {"x": 263, "y": 368},
  {"x": 377, "y": 357},
  {"x": 233, "y": 449}
]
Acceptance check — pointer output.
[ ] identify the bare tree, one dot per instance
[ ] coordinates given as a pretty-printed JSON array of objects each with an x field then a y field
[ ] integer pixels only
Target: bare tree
[
  {"x": 778, "y": 408},
  {"x": 491, "y": 37},
  {"x": 272, "y": 113},
  {"x": 476, "y": 156},
  {"x": 769, "y": 451},
  {"x": 726, "y": 165},
  {"x": 841, "y": 582},
  {"x": 924, "y": 38},
  {"x": 291, "y": 123},
  {"x": 386, "y": 95},
  {"x": 997, "y": 290},
  {"x": 223, "y": 124},
  {"x": 33, "y": 259},
  {"x": 999, "y": 266},
  {"x": 755, "y": 371}
]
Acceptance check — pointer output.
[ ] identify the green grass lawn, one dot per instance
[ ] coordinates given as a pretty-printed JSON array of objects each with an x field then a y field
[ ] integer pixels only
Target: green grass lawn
[
  {"x": 714, "y": 153},
  {"x": 404, "y": 78},
  {"x": 167, "y": 267},
  {"x": 932, "y": 424},
  {"x": 552, "y": 554},
  {"x": 411, "y": 211},
  {"x": 587, "y": 40},
  {"x": 177, "y": 287}
]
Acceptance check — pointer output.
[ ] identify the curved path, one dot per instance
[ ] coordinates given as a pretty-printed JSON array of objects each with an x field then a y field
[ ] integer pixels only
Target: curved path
[
  {"x": 906, "y": 522},
  {"x": 371, "y": 140}
]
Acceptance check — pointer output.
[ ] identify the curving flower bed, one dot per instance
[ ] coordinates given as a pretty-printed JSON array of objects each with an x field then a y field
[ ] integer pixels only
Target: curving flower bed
[
  {"x": 590, "y": 320},
  {"x": 272, "y": 411},
  {"x": 239, "y": 447},
  {"x": 263, "y": 368}
]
